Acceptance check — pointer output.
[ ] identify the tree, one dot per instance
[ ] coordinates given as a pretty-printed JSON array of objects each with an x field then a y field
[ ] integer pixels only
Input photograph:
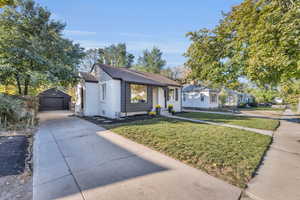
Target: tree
[
  {"x": 32, "y": 50},
  {"x": 152, "y": 61},
  {"x": 91, "y": 57},
  {"x": 258, "y": 40},
  {"x": 116, "y": 55},
  {"x": 6, "y": 2}
]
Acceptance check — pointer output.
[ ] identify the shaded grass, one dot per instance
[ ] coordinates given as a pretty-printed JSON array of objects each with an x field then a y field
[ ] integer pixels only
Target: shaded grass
[
  {"x": 261, "y": 108},
  {"x": 251, "y": 122},
  {"x": 227, "y": 153}
]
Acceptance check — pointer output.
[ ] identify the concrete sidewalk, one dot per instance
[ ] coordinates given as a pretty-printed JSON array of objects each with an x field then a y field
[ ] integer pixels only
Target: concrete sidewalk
[
  {"x": 77, "y": 160},
  {"x": 278, "y": 177},
  {"x": 233, "y": 114}
]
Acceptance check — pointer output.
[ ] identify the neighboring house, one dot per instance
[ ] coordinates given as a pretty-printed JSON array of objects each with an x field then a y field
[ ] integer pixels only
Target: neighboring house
[
  {"x": 197, "y": 96},
  {"x": 237, "y": 98},
  {"x": 117, "y": 92}
]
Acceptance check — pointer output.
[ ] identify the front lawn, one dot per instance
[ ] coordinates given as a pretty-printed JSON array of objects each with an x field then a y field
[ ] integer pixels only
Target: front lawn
[
  {"x": 269, "y": 108},
  {"x": 228, "y": 153},
  {"x": 251, "y": 122}
]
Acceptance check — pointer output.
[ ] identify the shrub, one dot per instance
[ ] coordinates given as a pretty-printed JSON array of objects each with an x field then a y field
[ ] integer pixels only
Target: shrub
[{"x": 16, "y": 112}]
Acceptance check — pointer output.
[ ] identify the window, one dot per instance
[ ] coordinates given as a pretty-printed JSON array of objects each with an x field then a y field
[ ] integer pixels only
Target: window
[
  {"x": 171, "y": 94},
  {"x": 201, "y": 97},
  {"x": 213, "y": 98},
  {"x": 184, "y": 97},
  {"x": 103, "y": 91},
  {"x": 138, "y": 93}
]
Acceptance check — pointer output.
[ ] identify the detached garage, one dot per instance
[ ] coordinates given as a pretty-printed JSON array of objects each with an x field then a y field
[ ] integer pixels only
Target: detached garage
[{"x": 53, "y": 99}]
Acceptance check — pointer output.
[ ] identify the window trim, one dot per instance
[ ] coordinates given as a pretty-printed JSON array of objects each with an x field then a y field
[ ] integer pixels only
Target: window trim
[
  {"x": 103, "y": 91},
  {"x": 130, "y": 93}
]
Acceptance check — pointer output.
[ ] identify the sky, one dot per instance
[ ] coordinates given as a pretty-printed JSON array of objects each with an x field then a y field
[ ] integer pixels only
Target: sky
[{"x": 140, "y": 24}]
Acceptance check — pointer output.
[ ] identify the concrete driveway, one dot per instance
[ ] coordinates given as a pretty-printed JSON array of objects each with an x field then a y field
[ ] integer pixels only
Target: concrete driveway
[{"x": 77, "y": 160}]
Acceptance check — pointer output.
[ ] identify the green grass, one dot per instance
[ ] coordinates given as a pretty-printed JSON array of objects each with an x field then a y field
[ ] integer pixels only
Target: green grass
[
  {"x": 227, "y": 153},
  {"x": 251, "y": 122}
]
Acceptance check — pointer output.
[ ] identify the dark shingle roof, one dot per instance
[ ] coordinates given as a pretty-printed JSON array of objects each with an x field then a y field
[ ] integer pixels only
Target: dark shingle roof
[
  {"x": 88, "y": 77},
  {"x": 136, "y": 76}
]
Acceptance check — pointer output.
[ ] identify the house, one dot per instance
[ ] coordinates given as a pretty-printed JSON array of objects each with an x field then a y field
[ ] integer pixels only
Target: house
[
  {"x": 235, "y": 98},
  {"x": 197, "y": 96},
  {"x": 115, "y": 92}
]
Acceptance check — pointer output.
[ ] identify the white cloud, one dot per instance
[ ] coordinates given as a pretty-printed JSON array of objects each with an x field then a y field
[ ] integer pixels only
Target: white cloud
[{"x": 79, "y": 33}]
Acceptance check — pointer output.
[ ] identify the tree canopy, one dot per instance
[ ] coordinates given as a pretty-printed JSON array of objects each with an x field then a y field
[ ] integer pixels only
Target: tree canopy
[
  {"x": 91, "y": 57},
  {"x": 6, "y": 2},
  {"x": 116, "y": 55},
  {"x": 32, "y": 49},
  {"x": 258, "y": 39},
  {"x": 151, "y": 61}
]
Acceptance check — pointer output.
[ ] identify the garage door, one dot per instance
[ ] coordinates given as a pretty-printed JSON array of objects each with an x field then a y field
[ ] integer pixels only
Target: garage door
[{"x": 52, "y": 103}]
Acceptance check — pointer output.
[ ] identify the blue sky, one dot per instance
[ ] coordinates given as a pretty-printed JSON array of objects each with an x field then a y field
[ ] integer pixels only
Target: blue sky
[{"x": 140, "y": 24}]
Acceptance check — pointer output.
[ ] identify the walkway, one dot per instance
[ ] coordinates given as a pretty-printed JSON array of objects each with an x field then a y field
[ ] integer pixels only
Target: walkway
[
  {"x": 279, "y": 176},
  {"x": 234, "y": 114},
  {"x": 264, "y": 132},
  {"x": 77, "y": 160}
]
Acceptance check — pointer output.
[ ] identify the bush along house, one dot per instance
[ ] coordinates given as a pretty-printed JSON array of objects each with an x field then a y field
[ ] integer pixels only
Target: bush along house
[{"x": 116, "y": 92}]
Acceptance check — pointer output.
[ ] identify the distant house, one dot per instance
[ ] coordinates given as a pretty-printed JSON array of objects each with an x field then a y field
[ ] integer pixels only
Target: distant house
[
  {"x": 238, "y": 98},
  {"x": 199, "y": 96},
  {"x": 117, "y": 92}
]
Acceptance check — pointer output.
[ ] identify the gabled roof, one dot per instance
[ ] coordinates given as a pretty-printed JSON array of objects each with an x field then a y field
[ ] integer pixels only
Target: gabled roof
[
  {"x": 134, "y": 76},
  {"x": 88, "y": 77}
]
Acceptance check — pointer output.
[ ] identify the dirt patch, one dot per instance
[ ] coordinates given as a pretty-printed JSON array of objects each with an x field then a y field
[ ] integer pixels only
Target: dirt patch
[{"x": 16, "y": 166}]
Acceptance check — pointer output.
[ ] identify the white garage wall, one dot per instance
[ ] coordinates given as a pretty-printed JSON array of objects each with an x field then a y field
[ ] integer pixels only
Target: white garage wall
[{"x": 91, "y": 105}]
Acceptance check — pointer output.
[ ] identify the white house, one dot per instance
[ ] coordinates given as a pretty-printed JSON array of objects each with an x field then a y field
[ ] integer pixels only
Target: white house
[
  {"x": 197, "y": 96},
  {"x": 115, "y": 92},
  {"x": 237, "y": 98}
]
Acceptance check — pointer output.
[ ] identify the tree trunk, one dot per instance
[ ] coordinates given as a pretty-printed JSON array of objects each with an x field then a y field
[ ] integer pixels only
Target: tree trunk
[
  {"x": 27, "y": 81},
  {"x": 18, "y": 84}
]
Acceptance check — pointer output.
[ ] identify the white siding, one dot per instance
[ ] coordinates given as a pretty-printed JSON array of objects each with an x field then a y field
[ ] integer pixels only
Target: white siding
[
  {"x": 193, "y": 100},
  {"x": 176, "y": 104},
  {"x": 111, "y": 106},
  {"x": 91, "y": 104},
  {"x": 78, "y": 109}
]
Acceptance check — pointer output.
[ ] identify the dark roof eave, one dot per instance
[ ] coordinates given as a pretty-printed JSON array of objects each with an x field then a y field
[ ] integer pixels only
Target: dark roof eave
[{"x": 89, "y": 81}]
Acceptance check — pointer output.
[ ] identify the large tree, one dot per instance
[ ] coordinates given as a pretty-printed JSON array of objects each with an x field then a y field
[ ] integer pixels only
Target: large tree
[
  {"x": 32, "y": 49},
  {"x": 116, "y": 55},
  {"x": 151, "y": 61},
  {"x": 91, "y": 57},
  {"x": 258, "y": 39},
  {"x": 6, "y": 2}
]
